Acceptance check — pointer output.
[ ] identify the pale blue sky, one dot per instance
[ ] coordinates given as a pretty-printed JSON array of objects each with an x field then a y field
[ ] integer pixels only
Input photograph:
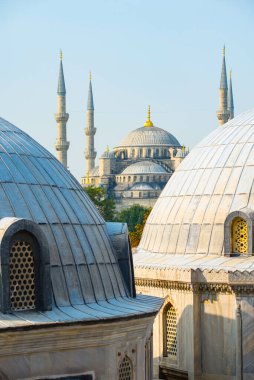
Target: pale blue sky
[{"x": 166, "y": 53}]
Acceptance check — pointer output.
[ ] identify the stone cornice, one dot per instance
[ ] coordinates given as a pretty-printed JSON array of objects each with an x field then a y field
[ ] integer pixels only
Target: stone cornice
[{"x": 196, "y": 287}]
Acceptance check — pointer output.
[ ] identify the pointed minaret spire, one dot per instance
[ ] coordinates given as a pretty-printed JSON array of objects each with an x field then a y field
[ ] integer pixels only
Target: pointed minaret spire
[
  {"x": 223, "y": 113},
  {"x": 90, "y": 131},
  {"x": 61, "y": 117},
  {"x": 230, "y": 97}
]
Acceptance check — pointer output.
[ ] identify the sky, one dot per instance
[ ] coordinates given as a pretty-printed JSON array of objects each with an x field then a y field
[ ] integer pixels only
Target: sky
[{"x": 165, "y": 53}]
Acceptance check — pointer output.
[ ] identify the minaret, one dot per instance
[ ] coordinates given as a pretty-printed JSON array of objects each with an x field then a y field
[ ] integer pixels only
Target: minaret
[
  {"x": 223, "y": 112},
  {"x": 230, "y": 98},
  {"x": 90, "y": 131},
  {"x": 61, "y": 145}
]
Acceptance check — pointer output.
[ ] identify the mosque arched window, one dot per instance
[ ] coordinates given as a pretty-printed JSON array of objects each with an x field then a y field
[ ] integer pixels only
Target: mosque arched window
[
  {"x": 22, "y": 274},
  {"x": 165, "y": 153},
  {"x": 157, "y": 152},
  {"x": 170, "y": 331},
  {"x": 141, "y": 178},
  {"x": 147, "y": 178},
  {"x": 239, "y": 236},
  {"x": 135, "y": 178},
  {"x": 148, "y": 152},
  {"x": 25, "y": 267},
  {"x": 140, "y": 194},
  {"x": 239, "y": 233},
  {"x": 123, "y": 179},
  {"x": 140, "y": 152},
  {"x": 129, "y": 178},
  {"x": 125, "y": 371},
  {"x": 133, "y": 153}
]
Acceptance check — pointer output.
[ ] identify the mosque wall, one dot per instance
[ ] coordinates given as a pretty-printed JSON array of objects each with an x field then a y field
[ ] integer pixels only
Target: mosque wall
[
  {"x": 96, "y": 350},
  {"x": 209, "y": 346},
  {"x": 123, "y": 203}
]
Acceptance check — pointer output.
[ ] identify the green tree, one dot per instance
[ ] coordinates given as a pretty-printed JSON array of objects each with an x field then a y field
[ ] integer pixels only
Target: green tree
[
  {"x": 132, "y": 216},
  {"x": 104, "y": 204},
  {"x": 135, "y": 236}
]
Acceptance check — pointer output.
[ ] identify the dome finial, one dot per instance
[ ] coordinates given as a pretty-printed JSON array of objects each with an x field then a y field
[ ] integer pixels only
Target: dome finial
[
  {"x": 148, "y": 122},
  {"x": 61, "y": 55},
  {"x": 90, "y": 75},
  {"x": 223, "y": 51}
]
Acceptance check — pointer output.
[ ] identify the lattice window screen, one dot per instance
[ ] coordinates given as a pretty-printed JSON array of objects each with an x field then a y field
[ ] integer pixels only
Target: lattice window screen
[
  {"x": 239, "y": 236},
  {"x": 125, "y": 369},
  {"x": 171, "y": 332},
  {"x": 22, "y": 284}
]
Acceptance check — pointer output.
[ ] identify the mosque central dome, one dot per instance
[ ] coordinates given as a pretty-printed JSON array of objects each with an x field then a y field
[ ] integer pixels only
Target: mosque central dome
[
  {"x": 214, "y": 180},
  {"x": 149, "y": 136}
]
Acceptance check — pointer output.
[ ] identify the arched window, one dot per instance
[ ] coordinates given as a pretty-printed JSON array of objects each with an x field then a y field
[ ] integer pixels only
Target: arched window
[
  {"x": 239, "y": 235},
  {"x": 148, "y": 152},
  {"x": 133, "y": 153},
  {"x": 140, "y": 194},
  {"x": 170, "y": 331},
  {"x": 141, "y": 178},
  {"x": 135, "y": 178},
  {"x": 22, "y": 273},
  {"x": 25, "y": 267},
  {"x": 125, "y": 369}
]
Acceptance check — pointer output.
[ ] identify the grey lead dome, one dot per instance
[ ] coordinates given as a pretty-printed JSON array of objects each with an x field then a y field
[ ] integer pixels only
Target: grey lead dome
[
  {"x": 215, "y": 179},
  {"x": 86, "y": 279}
]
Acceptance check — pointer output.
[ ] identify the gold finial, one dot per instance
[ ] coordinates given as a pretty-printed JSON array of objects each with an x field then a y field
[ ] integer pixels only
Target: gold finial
[
  {"x": 90, "y": 75},
  {"x": 61, "y": 55},
  {"x": 223, "y": 51},
  {"x": 183, "y": 148},
  {"x": 148, "y": 122},
  {"x": 107, "y": 149}
]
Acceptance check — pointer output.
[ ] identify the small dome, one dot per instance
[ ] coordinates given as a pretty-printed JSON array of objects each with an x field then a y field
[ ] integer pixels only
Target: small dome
[
  {"x": 149, "y": 136},
  {"x": 215, "y": 179},
  {"x": 144, "y": 167},
  {"x": 140, "y": 186},
  {"x": 107, "y": 154}
]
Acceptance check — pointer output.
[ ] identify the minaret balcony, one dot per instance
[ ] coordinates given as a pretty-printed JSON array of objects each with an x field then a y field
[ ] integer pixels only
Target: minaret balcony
[
  {"x": 223, "y": 115},
  {"x": 91, "y": 155},
  {"x": 90, "y": 131},
  {"x": 61, "y": 117},
  {"x": 62, "y": 145}
]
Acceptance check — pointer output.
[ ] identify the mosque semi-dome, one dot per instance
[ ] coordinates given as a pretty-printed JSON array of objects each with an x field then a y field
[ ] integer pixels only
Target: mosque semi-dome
[
  {"x": 152, "y": 136},
  {"x": 213, "y": 181},
  {"x": 144, "y": 167}
]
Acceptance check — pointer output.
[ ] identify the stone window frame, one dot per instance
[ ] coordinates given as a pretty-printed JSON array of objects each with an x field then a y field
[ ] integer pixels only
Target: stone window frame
[
  {"x": 11, "y": 229},
  {"x": 164, "y": 329},
  {"x": 126, "y": 357},
  {"x": 248, "y": 216}
]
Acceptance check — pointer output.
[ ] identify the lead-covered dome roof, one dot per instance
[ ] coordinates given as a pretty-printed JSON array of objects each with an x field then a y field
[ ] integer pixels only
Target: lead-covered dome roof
[
  {"x": 144, "y": 167},
  {"x": 149, "y": 136},
  {"x": 215, "y": 179},
  {"x": 85, "y": 274}
]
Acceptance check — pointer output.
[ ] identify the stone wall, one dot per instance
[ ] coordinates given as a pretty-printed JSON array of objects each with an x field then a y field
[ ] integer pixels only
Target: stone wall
[{"x": 77, "y": 349}]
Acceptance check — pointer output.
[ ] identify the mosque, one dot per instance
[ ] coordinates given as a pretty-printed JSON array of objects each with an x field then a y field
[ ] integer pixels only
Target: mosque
[
  {"x": 197, "y": 252},
  {"x": 136, "y": 171}
]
